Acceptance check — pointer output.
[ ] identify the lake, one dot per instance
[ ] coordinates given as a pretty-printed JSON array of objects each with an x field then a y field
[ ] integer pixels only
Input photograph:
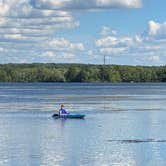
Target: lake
[{"x": 125, "y": 124}]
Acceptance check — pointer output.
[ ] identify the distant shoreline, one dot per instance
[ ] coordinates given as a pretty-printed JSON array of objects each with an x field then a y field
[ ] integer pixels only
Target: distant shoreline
[{"x": 51, "y": 72}]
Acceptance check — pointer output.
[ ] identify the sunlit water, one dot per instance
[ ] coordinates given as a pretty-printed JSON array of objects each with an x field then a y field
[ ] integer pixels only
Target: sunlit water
[{"x": 125, "y": 125}]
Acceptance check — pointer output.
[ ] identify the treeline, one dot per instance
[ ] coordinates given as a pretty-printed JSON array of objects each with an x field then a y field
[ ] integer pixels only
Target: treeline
[{"x": 80, "y": 73}]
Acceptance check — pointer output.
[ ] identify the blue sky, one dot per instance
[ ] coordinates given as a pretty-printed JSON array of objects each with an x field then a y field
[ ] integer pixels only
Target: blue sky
[{"x": 131, "y": 32}]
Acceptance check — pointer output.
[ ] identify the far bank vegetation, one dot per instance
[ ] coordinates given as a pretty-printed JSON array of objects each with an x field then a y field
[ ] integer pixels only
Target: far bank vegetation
[{"x": 80, "y": 73}]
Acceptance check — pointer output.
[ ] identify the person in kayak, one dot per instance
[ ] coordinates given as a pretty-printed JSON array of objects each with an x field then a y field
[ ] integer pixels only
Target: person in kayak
[{"x": 62, "y": 111}]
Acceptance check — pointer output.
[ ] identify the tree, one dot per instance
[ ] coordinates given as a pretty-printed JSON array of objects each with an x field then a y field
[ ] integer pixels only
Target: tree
[
  {"x": 71, "y": 74},
  {"x": 3, "y": 76}
]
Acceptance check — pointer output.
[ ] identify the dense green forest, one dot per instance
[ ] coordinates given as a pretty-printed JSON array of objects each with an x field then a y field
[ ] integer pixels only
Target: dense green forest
[{"x": 80, "y": 73}]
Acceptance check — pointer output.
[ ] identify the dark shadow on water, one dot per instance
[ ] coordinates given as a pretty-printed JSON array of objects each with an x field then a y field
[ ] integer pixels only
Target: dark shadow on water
[{"x": 127, "y": 141}]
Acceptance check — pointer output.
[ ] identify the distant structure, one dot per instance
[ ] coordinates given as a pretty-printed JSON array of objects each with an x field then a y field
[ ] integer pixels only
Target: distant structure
[{"x": 104, "y": 59}]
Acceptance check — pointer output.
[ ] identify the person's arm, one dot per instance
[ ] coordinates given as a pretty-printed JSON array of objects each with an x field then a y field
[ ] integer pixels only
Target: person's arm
[{"x": 59, "y": 111}]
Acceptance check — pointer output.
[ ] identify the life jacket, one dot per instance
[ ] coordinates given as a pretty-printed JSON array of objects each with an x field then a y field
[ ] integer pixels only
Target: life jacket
[{"x": 63, "y": 111}]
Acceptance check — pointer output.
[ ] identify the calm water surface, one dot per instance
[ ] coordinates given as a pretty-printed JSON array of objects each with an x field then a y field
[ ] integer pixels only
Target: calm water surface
[{"x": 125, "y": 125}]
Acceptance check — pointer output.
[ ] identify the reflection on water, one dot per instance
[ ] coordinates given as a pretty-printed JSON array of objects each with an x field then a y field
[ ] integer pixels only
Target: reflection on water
[{"x": 124, "y": 125}]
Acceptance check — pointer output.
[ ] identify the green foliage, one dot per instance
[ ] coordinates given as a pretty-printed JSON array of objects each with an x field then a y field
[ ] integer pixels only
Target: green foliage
[
  {"x": 3, "y": 76},
  {"x": 80, "y": 73},
  {"x": 109, "y": 74},
  {"x": 88, "y": 74},
  {"x": 161, "y": 73},
  {"x": 71, "y": 74}
]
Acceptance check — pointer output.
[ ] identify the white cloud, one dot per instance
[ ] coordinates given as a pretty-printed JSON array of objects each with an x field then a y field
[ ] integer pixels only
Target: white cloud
[
  {"x": 62, "y": 44},
  {"x": 107, "y": 31},
  {"x": 21, "y": 14},
  {"x": 68, "y": 55},
  {"x": 106, "y": 41},
  {"x": 60, "y": 48},
  {"x": 114, "y": 41},
  {"x": 27, "y": 27},
  {"x": 14, "y": 36},
  {"x": 149, "y": 45},
  {"x": 108, "y": 51},
  {"x": 49, "y": 54},
  {"x": 83, "y": 4},
  {"x": 157, "y": 30},
  {"x": 24, "y": 29},
  {"x": 154, "y": 58},
  {"x": 4, "y": 8},
  {"x": 59, "y": 55}
]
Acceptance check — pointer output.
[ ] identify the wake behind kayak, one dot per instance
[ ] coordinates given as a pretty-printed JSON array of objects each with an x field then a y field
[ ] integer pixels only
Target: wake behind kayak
[{"x": 69, "y": 116}]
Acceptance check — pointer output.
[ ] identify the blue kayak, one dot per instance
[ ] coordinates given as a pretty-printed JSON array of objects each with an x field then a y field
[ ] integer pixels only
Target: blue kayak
[{"x": 69, "y": 116}]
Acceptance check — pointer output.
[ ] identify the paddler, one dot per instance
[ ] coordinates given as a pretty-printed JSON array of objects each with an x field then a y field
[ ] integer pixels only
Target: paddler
[{"x": 62, "y": 111}]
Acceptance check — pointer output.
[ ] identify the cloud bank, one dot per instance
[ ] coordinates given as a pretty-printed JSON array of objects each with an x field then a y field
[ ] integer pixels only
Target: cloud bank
[
  {"x": 146, "y": 46},
  {"x": 83, "y": 4},
  {"x": 28, "y": 29}
]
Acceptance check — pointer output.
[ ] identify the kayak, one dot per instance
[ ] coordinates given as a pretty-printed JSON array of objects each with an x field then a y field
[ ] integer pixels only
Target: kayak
[{"x": 69, "y": 116}]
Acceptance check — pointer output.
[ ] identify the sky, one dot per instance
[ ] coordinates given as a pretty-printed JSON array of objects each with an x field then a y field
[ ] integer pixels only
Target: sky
[{"x": 126, "y": 32}]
